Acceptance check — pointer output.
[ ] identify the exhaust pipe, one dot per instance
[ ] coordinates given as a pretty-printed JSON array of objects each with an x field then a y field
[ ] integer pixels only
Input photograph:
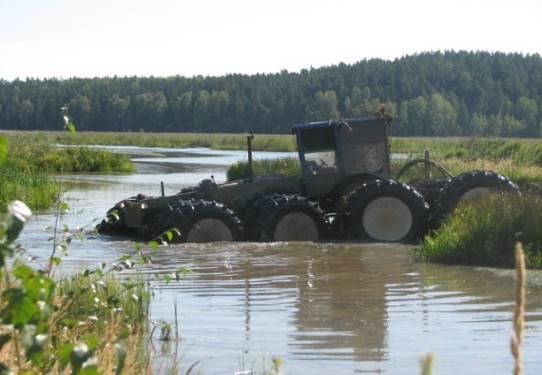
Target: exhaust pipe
[{"x": 249, "y": 147}]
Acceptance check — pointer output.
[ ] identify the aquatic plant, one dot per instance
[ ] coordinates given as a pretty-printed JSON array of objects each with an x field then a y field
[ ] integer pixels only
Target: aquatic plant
[{"x": 483, "y": 232}]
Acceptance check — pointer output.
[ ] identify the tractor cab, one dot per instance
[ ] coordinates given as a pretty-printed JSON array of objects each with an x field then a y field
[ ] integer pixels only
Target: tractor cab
[{"x": 332, "y": 151}]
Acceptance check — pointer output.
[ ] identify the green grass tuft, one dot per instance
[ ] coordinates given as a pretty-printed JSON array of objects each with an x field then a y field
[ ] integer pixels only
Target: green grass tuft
[{"x": 484, "y": 233}]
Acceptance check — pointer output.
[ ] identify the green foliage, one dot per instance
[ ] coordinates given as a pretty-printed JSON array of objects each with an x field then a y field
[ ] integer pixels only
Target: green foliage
[
  {"x": 87, "y": 321},
  {"x": 266, "y": 167},
  {"x": 449, "y": 93},
  {"x": 3, "y": 149},
  {"x": 484, "y": 232}
]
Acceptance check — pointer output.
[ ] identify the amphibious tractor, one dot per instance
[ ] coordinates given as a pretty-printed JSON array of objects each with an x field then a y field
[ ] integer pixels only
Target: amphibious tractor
[{"x": 344, "y": 191}]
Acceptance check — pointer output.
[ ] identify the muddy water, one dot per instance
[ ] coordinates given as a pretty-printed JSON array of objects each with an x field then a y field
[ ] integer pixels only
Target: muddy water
[{"x": 321, "y": 308}]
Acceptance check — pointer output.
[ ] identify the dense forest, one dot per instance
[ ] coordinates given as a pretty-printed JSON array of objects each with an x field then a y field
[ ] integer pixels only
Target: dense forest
[{"x": 430, "y": 94}]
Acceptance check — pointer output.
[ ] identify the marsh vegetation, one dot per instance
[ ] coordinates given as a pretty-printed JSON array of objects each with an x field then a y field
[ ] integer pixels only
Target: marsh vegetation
[
  {"x": 484, "y": 231},
  {"x": 27, "y": 165}
]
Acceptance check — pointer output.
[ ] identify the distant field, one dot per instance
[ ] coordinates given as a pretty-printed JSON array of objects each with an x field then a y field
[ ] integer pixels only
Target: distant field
[{"x": 523, "y": 151}]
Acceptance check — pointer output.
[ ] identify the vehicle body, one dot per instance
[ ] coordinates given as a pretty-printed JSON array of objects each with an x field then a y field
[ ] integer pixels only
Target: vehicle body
[{"x": 344, "y": 192}]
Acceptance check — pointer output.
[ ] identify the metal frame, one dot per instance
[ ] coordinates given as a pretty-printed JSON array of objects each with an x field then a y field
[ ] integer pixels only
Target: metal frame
[{"x": 298, "y": 129}]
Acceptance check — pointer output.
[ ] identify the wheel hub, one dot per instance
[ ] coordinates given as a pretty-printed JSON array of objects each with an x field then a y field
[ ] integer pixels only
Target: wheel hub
[
  {"x": 209, "y": 230},
  {"x": 387, "y": 219},
  {"x": 296, "y": 226}
]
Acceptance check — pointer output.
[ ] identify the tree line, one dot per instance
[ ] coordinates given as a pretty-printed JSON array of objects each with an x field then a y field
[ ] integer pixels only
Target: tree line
[{"x": 430, "y": 94}]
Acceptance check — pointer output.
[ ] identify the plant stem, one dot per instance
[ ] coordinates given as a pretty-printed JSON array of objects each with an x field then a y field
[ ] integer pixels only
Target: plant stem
[
  {"x": 519, "y": 310},
  {"x": 55, "y": 229}
]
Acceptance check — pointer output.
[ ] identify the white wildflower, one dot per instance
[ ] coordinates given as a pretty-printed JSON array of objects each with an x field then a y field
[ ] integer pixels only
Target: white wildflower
[{"x": 41, "y": 339}]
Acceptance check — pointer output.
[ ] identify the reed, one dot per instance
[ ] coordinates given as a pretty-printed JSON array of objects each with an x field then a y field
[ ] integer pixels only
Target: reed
[
  {"x": 516, "y": 340},
  {"x": 426, "y": 364}
]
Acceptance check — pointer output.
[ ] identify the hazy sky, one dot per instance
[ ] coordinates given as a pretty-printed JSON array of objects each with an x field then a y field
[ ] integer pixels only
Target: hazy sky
[{"x": 65, "y": 38}]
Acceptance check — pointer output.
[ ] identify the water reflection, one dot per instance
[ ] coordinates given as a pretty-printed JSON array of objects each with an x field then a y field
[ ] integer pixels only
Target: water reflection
[{"x": 339, "y": 307}]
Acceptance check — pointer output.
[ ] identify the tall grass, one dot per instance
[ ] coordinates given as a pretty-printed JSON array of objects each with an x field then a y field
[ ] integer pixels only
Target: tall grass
[
  {"x": 519, "y": 173},
  {"x": 37, "y": 154},
  {"x": 32, "y": 186},
  {"x": 484, "y": 232},
  {"x": 520, "y": 151},
  {"x": 26, "y": 168}
]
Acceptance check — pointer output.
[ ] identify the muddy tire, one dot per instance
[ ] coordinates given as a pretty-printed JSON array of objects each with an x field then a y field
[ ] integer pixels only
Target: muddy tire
[
  {"x": 474, "y": 184},
  {"x": 385, "y": 211},
  {"x": 281, "y": 217},
  {"x": 197, "y": 221}
]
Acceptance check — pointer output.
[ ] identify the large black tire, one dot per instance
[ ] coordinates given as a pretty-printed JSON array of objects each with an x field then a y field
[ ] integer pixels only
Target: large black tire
[
  {"x": 385, "y": 211},
  {"x": 196, "y": 220},
  {"x": 473, "y": 184},
  {"x": 281, "y": 217}
]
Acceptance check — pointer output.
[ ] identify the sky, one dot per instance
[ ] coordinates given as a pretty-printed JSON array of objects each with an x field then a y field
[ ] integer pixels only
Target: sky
[{"x": 96, "y": 38}]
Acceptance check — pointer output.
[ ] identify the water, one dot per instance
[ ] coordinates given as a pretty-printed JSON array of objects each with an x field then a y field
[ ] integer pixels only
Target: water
[{"x": 322, "y": 308}]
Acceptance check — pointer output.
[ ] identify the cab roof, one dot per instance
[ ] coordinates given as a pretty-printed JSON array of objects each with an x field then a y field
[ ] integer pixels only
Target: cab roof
[{"x": 331, "y": 123}]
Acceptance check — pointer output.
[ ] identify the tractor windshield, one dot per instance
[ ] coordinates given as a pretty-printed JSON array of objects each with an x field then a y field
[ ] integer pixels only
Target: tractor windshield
[
  {"x": 320, "y": 162},
  {"x": 319, "y": 151}
]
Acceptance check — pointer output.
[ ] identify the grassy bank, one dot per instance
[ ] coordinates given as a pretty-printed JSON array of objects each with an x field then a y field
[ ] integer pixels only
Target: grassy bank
[
  {"x": 484, "y": 233},
  {"x": 27, "y": 164},
  {"x": 262, "y": 142},
  {"x": 38, "y": 153}
]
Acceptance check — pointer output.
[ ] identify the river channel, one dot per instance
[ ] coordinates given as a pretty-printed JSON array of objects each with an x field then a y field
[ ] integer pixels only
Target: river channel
[{"x": 322, "y": 308}]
